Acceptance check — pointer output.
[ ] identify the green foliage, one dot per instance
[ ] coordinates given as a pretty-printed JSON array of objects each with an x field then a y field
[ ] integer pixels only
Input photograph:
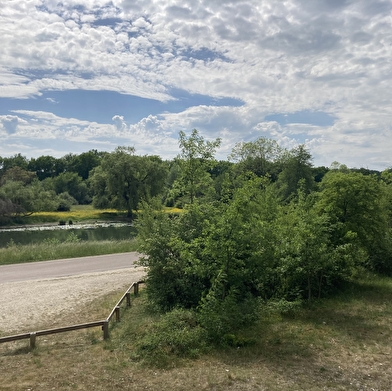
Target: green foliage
[
  {"x": 14, "y": 161},
  {"x": 124, "y": 179},
  {"x": 17, "y": 174},
  {"x": 73, "y": 184},
  {"x": 223, "y": 312},
  {"x": 72, "y": 238},
  {"x": 297, "y": 173},
  {"x": 262, "y": 157},
  {"x": 195, "y": 159},
  {"x": 309, "y": 263},
  {"x": 85, "y": 162},
  {"x": 186, "y": 254},
  {"x": 167, "y": 241},
  {"x": 51, "y": 241},
  {"x": 222, "y": 257},
  {"x": 357, "y": 204},
  {"x": 46, "y": 167},
  {"x": 176, "y": 334},
  {"x": 21, "y": 199},
  {"x": 201, "y": 258},
  {"x": 65, "y": 202}
]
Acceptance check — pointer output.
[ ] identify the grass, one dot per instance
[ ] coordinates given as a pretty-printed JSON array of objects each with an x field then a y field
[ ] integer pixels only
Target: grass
[
  {"x": 342, "y": 343},
  {"x": 50, "y": 251},
  {"x": 78, "y": 213},
  {"x": 81, "y": 213}
]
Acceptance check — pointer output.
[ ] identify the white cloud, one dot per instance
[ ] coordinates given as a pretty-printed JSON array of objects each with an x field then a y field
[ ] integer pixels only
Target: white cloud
[
  {"x": 327, "y": 55},
  {"x": 141, "y": 23},
  {"x": 119, "y": 122},
  {"x": 9, "y": 123}
]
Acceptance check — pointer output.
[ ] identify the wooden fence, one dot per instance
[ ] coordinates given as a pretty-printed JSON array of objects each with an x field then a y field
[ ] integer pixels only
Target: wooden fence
[{"x": 100, "y": 323}]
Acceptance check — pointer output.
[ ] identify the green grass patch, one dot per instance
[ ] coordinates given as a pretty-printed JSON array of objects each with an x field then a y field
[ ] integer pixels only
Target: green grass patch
[{"x": 50, "y": 250}]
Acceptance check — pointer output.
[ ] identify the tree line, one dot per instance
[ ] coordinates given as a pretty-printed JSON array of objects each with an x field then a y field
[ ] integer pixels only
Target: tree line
[{"x": 122, "y": 178}]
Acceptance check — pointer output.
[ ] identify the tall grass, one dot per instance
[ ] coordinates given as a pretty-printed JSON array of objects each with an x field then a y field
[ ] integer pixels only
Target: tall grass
[{"x": 52, "y": 249}]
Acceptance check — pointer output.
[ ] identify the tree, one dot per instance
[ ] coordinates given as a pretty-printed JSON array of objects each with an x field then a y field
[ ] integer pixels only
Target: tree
[
  {"x": 82, "y": 164},
  {"x": 356, "y": 205},
  {"x": 124, "y": 179},
  {"x": 173, "y": 279},
  {"x": 73, "y": 184},
  {"x": 386, "y": 182},
  {"x": 17, "y": 174},
  {"x": 15, "y": 161},
  {"x": 28, "y": 198},
  {"x": 195, "y": 159},
  {"x": 46, "y": 167},
  {"x": 261, "y": 156},
  {"x": 297, "y": 168},
  {"x": 309, "y": 263},
  {"x": 8, "y": 210},
  {"x": 319, "y": 172}
]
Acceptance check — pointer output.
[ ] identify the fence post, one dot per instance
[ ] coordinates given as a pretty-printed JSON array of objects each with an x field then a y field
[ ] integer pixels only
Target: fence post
[
  {"x": 105, "y": 328},
  {"x": 33, "y": 337},
  {"x": 117, "y": 314},
  {"x": 136, "y": 288},
  {"x": 128, "y": 296}
]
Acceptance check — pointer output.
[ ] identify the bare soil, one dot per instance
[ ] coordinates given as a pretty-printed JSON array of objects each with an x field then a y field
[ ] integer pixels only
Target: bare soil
[{"x": 33, "y": 305}]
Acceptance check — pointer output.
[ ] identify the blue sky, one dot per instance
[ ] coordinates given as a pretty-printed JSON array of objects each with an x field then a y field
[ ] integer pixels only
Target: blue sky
[{"x": 78, "y": 75}]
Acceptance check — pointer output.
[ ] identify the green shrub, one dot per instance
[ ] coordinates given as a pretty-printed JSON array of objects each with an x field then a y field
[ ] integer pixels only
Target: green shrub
[
  {"x": 221, "y": 314},
  {"x": 176, "y": 335},
  {"x": 72, "y": 238}
]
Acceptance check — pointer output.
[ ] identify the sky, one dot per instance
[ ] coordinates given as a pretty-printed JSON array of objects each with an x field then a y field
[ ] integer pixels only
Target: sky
[{"x": 77, "y": 75}]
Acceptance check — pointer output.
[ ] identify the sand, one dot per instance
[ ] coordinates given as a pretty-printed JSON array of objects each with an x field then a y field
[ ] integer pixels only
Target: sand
[{"x": 30, "y": 305}]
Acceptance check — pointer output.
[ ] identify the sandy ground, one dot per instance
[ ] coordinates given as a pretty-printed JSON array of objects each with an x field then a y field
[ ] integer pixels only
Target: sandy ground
[{"x": 25, "y": 306}]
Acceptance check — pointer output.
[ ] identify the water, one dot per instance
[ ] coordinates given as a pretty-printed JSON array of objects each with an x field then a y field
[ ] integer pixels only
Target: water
[{"x": 87, "y": 232}]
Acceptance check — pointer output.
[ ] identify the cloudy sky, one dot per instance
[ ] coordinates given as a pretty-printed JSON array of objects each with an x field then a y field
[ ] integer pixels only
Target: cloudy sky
[{"x": 77, "y": 75}]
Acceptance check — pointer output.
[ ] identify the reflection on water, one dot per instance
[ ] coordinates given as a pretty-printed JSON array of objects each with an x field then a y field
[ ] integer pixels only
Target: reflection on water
[{"x": 87, "y": 232}]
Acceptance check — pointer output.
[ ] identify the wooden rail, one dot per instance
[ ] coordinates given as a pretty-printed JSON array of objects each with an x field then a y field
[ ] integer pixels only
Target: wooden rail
[{"x": 100, "y": 323}]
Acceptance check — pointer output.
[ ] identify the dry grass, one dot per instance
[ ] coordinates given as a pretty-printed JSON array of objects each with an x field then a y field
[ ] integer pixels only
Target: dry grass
[{"x": 344, "y": 343}]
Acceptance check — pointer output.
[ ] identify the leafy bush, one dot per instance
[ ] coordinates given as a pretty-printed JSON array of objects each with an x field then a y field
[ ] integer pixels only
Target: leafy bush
[
  {"x": 174, "y": 280},
  {"x": 176, "y": 335},
  {"x": 65, "y": 202},
  {"x": 72, "y": 238},
  {"x": 221, "y": 314}
]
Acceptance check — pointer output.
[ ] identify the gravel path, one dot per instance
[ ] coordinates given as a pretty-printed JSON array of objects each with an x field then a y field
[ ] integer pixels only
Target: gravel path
[{"x": 25, "y": 306}]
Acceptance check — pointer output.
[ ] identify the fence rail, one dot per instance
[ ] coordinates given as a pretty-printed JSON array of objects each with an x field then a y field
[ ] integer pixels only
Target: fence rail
[{"x": 100, "y": 323}]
